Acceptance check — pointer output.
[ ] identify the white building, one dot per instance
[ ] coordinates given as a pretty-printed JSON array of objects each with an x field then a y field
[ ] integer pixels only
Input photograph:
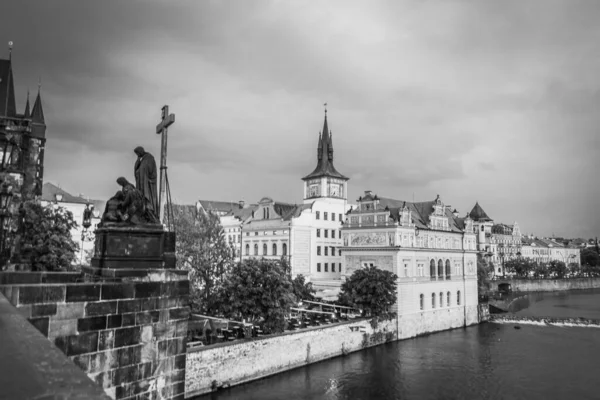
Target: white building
[
  {"x": 52, "y": 194},
  {"x": 309, "y": 233},
  {"x": 432, "y": 251}
]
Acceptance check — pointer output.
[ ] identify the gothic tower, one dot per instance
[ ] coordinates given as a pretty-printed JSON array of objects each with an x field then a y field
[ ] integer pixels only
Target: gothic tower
[
  {"x": 22, "y": 140},
  {"x": 325, "y": 181}
]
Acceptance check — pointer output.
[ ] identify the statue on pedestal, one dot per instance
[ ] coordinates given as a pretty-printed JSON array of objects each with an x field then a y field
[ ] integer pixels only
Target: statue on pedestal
[
  {"x": 128, "y": 206},
  {"x": 145, "y": 178}
]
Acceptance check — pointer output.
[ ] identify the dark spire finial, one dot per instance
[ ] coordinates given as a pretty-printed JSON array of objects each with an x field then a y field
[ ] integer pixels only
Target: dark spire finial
[
  {"x": 325, "y": 105},
  {"x": 10, "y": 45}
]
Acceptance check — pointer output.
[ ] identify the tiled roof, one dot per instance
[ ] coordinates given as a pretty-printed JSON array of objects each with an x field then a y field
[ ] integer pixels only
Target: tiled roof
[
  {"x": 49, "y": 192},
  {"x": 325, "y": 157},
  {"x": 37, "y": 114},
  {"x": 420, "y": 212},
  {"x": 8, "y": 107},
  {"x": 221, "y": 206},
  {"x": 477, "y": 214}
]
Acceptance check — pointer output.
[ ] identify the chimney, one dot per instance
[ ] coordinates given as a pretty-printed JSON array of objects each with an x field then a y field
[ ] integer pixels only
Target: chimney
[{"x": 242, "y": 203}]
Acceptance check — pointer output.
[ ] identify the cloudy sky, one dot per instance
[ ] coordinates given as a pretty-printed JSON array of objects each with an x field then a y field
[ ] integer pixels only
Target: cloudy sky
[{"x": 489, "y": 101}]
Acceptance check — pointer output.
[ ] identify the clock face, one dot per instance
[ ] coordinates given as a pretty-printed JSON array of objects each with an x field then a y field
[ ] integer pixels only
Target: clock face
[
  {"x": 313, "y": 190},
  {"x": 334, "y": 190}
]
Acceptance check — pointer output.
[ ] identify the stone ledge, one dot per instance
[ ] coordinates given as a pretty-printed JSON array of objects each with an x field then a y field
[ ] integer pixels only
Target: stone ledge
[{"x": 33, "y": 368}]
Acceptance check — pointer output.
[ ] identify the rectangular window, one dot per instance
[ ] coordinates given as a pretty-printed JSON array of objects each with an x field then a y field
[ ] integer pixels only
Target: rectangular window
[
  {"x": 318, "y": 250},
  {"x": 332, "y": 251},
  {"x": 318, "y": 214},
  {"x": 318, "y": 233},
  {"x": 341, "y": 218},
  {"x": 405, "y": 269},
  {"x": 247, "y": 233},
  {"x": 333, "y": 234},
  {"x": 339, "y": 234},
  {"x": 432, "y": 300},
  {"x": 340, "y": 253},
  {"x": 325, "y": 232},
  {"x": 332, "y": 267},
  {"x": 421, "y": 301},
  {"x": 326, "y": 248},
  {"x": 318, "y": 267},
  {"x": 325, "y": 215},
  {"x": 326, "y": 267},
  {"x": 255, "y": 233}
]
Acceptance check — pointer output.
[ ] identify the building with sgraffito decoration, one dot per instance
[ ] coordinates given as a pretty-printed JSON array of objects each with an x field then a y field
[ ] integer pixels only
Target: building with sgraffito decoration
[{"x": 431, "y": 249}]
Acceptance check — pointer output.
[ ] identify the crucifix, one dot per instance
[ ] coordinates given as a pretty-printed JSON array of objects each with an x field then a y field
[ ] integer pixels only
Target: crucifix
[{"x": 162, "y": 129}]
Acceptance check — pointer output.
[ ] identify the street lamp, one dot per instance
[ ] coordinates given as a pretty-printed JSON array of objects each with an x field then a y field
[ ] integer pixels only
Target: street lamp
[
  {"x": 86, "y": 235},
  {"x": 5, "y": 218}
]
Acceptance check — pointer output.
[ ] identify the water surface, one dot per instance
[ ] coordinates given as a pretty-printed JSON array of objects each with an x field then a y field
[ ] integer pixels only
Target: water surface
[{"x": 489, "y": 361}]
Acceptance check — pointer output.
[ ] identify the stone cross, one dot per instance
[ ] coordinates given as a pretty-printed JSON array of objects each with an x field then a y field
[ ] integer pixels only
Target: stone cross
[{"x": 162, "y": 129}]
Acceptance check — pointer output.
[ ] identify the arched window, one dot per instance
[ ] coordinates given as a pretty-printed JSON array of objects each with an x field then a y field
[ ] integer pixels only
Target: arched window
[
  {"x": 264, "y": 249},
  {"x": 432, "y": 269},
  {"x": 284, "y": 249},
  {"x": 441, "y": 299},
  {"x": 247, "y": 249},
  {"x": 481, "y": 228},
  {"x": 274, "y": 249},
  {"x": 421, "y": 301},
  {"x": 448, "y": 299},
  {"x": 432, "y": 300},
  {"x": 441, "y": 269},
  {"x": 256, "y": 249},
  {"x": 447, "y": 269},
  {"x": 458, "y": 297}
]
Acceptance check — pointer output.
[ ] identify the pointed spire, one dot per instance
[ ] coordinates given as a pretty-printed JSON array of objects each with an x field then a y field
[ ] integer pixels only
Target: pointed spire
[
  {"x": 27, "y": 113},
  {"x": 37, "y": 114},
  {"x": 325, "y": 148},
  {"x": 8, "y": 106},
  {"x": 320, "y": 148}
]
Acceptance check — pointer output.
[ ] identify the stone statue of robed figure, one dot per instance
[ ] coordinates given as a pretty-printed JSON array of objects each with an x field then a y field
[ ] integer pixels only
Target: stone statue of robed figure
[{"x": 146, "y": 178}]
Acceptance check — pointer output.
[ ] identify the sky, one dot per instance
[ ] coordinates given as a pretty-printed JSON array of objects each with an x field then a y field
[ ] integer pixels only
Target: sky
[{"x": 488, "y": 101}]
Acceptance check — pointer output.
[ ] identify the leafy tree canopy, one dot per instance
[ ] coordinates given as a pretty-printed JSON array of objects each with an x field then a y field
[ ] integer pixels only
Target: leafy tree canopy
[
  {"x": 202, "y": 249},
  {"x": 303, "y": 290},
  {"x": 46, "y": 239},
  {"x": 371, "y": 289},
  {"x": 258, "y": 291}
]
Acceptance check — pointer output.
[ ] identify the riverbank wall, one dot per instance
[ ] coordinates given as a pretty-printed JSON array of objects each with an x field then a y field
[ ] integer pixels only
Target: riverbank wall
[
  {"x": 209, "y": 368},
  {"x": 517, "y": 319},
  {"x": 549, "y": 285},
  {"x": 223, "y": 365}
]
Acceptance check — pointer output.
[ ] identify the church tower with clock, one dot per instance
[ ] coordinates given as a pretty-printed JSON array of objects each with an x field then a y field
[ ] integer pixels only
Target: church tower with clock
[
  {"x": 326, "y": 194},
  {"x": 325, "y": 182}
]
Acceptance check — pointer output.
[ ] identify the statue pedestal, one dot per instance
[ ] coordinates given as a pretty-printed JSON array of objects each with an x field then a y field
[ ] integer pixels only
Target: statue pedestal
[{"x": 132, "y": 251}]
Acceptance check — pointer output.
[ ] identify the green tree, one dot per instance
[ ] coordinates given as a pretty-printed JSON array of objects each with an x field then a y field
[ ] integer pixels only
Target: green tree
[
  {"x": 522, "y": 267},
  {"x": 557, "y": 268},
  {"x": 303, "y": 290},
  {"x": 258, "y": 291},
  {"x": 202, "y": 249},
  {"x": 483, "y": 275},
  {"x": 46, "y": 241},
  {"x": 371, "y": 289}
]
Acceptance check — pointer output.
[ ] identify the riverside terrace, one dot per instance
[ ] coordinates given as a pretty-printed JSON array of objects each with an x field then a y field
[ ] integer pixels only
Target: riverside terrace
[{"x": 205, "y": 330}]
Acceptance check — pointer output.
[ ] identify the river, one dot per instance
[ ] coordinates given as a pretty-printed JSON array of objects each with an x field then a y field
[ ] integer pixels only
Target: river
[{"x": 488, "y": 361}]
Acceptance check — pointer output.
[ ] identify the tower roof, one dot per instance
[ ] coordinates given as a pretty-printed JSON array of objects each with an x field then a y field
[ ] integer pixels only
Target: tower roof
[
  {"x": 37, "y": 114},
  {"x": 8, "y": 106},
  {"x": 27, "y": 112},
  {"x": 325, "y": 156},
  {"x": 477, "y": 214}
]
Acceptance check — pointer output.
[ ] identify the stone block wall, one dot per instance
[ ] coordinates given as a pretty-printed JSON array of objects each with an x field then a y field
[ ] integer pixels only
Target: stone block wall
[
  {"x": 436, "y": 320},
  {"x": 228, "y": 364},
  {"x": 129, "y": 336}
]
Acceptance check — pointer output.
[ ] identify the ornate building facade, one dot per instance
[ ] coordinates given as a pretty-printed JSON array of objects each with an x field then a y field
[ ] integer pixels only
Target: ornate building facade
[
  {"x": 22, "y": 140},
  {"x": 433, "y": 252}
]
